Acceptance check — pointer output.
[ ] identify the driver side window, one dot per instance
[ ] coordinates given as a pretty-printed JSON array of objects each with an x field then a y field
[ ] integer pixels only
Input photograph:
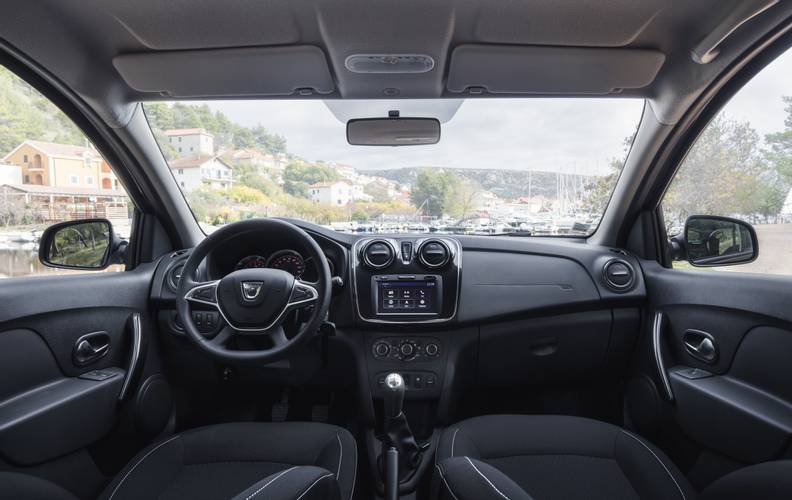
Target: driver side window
[
  {"x": 49, "y": 173},
  {"x": 741, "y": 167}
]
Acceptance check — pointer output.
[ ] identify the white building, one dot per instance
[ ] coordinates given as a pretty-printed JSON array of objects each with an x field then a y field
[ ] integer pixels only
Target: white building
[
  {"x": 191, "y": 142},
  {"x": 10, "y": 174},
  {"x": 338, "y": 193},
  {"x": 206, "y": 170}
]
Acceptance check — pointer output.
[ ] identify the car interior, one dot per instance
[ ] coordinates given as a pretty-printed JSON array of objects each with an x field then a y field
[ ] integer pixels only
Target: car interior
[{"x": 278, "y": 357}]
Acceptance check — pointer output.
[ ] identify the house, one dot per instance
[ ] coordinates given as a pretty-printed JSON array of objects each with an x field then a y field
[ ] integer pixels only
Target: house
[
  {"x": 56, "y": 204},
  {"x": 338, "y": 193},
  {"x": 189, "y": 142},
  {"x": 205, "y": 170},
  {"x": 254, "y": 157},
  {"x": 62, "y": 165}
]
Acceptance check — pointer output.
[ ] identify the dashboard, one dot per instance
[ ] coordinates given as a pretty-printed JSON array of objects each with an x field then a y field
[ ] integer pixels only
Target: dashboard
[{"x": 430, "y": 281}]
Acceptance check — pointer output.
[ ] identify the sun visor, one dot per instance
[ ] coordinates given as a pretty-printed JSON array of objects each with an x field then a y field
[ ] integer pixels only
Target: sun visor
[
  {"x": 501, "y": 69},
  {"x": 253, "y": 71}
]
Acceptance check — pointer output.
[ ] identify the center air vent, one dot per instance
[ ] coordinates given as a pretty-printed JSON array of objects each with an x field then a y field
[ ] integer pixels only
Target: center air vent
[
  {"x": 378, "y": 254},
  {"x": 618, "y": 275},
  {"x": 434, "y": 254}
]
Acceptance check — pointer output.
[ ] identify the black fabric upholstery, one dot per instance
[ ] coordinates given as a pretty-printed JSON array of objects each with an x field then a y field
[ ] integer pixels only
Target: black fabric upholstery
[
  {"x": 303, "y": 483},
  {"x": 14, "y": 485},
  {"x": 561, "y": 457},
  {"x": 223, "y": 460},
  {"x": 768, "y": 481},
  {"x": 475, "y": 480}
]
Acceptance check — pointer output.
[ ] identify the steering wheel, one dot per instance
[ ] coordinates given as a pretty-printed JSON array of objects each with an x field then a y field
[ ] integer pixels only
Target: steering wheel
[{"x": 254, "y": 302}]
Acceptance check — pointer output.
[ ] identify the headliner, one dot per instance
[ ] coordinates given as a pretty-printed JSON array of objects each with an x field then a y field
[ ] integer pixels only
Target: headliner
[{"x": 79, "y": 41}]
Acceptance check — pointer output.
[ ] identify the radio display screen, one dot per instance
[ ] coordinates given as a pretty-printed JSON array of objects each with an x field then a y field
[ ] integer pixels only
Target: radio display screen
[{"x": 407, "y": 296}]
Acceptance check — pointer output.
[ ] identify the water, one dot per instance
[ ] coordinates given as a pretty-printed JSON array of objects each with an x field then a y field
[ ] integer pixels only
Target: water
[{"x": 21, "y": 261}]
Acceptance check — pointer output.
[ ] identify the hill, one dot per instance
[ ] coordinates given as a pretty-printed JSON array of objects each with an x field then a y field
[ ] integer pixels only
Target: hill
[{"x": 505, "y": 183}]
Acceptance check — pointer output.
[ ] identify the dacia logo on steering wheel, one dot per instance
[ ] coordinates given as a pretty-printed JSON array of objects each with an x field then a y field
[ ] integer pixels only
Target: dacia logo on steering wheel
[{"x": 251, "y": 289}]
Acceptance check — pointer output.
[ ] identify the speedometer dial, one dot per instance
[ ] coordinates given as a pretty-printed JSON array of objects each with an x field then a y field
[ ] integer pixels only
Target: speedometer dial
[
  {"x": 251, "y": 261},
  {"x": 289, "y": 261}
]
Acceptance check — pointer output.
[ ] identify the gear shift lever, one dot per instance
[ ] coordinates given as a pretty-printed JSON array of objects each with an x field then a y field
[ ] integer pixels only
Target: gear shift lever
[
  {"x": 394, "y": 395},
  {"x": 400, "y": 453}
]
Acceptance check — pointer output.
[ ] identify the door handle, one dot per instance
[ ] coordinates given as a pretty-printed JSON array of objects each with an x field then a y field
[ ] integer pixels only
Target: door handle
[
  {"x": 700, "y": 345},
  {"x": 91, "y": 347}
]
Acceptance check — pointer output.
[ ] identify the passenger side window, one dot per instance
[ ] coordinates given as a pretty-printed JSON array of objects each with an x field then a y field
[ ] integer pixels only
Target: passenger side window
[
  {"x": 741, "y": 167},
  {"x": 49, "y": 173}
]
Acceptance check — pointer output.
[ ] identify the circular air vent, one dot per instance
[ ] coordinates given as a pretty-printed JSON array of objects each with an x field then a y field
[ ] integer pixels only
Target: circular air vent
[
  {"x": 618, "y": 275},
  {"x": 434, "y": 254},
  {"x": 174, "y": 275},
  {"x": 378, "y": 254}
]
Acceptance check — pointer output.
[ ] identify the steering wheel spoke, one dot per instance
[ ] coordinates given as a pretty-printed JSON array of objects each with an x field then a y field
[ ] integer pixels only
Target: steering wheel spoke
[
  {"x": 203, "y": 293},
  {"x": 304, "y": 294}
]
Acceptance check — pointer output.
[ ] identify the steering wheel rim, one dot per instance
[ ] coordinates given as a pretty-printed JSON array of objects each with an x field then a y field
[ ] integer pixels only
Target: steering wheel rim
[{"x": 191, "y": 291}]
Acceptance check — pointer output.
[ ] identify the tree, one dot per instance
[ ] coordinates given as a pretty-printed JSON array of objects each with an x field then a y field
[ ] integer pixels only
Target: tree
[
  {"x": 780, "y": 144},
  {"x": 599, "y": 189},
  {"x": 297, "y": 176},
  {"x": 433, "y": 191},
  {"x": 724, "y": 173}
]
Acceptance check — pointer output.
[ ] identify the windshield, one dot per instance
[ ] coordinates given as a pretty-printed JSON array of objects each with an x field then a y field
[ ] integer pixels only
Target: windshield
[{"x": 501, "y": 166}]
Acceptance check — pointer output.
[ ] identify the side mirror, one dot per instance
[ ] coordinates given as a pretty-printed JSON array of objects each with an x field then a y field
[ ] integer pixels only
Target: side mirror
[
  {"x": 710, "y": 241},
  {"x": 88, "y": 244}
]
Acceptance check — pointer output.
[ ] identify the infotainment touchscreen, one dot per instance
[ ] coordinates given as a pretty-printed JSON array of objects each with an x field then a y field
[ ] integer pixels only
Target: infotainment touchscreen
[{"x": 407, "y": 294}]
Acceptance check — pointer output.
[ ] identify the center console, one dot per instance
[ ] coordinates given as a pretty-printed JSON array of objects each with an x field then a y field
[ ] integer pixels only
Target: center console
[{"x": 404, "y": 290}]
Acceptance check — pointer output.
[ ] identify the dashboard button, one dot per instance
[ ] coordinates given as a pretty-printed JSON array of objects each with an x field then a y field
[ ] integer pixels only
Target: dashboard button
[
  {"x": 381, "y": 349},
  {"x": 407, "y": 349},
  {"x": 432, "y": 349}
]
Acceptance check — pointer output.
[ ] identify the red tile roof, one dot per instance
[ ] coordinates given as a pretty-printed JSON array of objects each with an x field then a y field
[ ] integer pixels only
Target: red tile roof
[{"x": 56, "y": 149}]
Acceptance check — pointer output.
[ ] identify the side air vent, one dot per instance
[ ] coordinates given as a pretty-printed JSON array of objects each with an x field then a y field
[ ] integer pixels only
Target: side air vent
[
  {"x": 618, "y": 275},
  {"x": 434, "y": 254},
  {"x": 174, "y": 275},
  {"x": 378, "y": 254}
]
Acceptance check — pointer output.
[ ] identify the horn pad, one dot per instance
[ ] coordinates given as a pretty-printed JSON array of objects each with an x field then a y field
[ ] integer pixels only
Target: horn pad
[{"x": 254, "y": 298}]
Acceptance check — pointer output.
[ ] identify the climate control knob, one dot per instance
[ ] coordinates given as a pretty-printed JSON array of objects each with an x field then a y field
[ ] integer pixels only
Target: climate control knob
[
  {"x": 432, "y": 349},
  {"x": 407, "y": 350},
  {"x": 381, "y": 349}
]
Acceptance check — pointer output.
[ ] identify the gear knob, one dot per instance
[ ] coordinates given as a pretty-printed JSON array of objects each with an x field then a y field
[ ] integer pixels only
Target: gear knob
[{"x": 394, "y": 395}]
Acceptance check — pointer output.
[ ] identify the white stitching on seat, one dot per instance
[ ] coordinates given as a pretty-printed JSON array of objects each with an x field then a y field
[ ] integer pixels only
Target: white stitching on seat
[
  {"x": 486, "y": 479},
  {"x": 448, "y": 487},
  {"x": 312, "y": 485},
  {"x": 268, "y": 483},
  {"x": 115, "y": 490},
  {"x": 453, "y": 441},
  {"x": 661, "y": 463},
  {"x": 340, "y": 457}
]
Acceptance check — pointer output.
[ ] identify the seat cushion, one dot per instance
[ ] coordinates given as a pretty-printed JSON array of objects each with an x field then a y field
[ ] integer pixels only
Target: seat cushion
[
  {"x": 561, "y": 457},
  {"x": 296, "y": 483},
  {"x": 224, "y": 460},
  {"x": 768, "y": 481},
  {"x": 16, "y": 485}
]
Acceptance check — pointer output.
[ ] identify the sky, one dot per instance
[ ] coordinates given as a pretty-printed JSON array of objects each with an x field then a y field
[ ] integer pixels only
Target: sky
[{"x": 567, "y": 135}]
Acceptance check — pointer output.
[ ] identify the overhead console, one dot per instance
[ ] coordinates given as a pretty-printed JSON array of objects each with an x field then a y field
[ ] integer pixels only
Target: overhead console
[{"x": 406, "y": 280}]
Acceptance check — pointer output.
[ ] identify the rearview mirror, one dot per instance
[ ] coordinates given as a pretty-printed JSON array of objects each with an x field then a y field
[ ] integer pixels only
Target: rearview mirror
[
  {"x": 709, "y": 241},
  {"x": 87, "y": 244},
  {"x": 393, "y": 131}
]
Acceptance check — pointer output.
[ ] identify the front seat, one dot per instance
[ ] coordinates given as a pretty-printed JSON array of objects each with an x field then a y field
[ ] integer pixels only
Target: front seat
[
  {"x": 521, "y": 457},
  {"x": 245, "y": 461}
]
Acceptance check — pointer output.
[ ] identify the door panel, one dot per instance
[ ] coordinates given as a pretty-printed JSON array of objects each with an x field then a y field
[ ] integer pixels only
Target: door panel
[
  {"x": 740, "y": 404},
  {"x": 50, "y": 403}
]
